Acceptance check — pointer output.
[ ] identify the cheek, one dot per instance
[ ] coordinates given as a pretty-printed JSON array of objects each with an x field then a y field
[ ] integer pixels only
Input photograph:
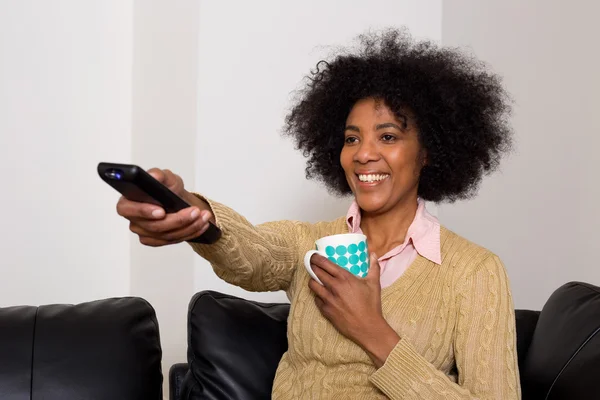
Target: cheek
[
  {"x": 406, "y": 164},
  {"x": 346, "y": 160}
]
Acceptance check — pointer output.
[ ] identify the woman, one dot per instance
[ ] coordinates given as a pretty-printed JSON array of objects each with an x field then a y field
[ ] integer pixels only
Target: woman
[{"x": 394, "y": 124}]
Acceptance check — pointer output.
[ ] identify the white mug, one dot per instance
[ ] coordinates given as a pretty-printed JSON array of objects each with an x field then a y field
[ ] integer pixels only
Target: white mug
[{"x": 347, "y": 250}]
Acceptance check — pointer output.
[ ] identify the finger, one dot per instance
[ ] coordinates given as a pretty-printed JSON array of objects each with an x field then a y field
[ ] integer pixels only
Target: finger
[
  {"x": 191, "y": 232},
  {"x": 174, "y": 182},
  {"x": 134, "y": 210},
  {"x": 319, "y": 290},
  {"x": 374, "y": 268},
  {"x": 186, "y": 233},
  {"x": 168, "y": 178},
  {"x": 171, "y": 222},
  {"x": 320, "y": 303},
  {"x": 328, "y": 266},
  {"x": 324, "y": 276},
  {"x": 206, "y": 215},
  {"x": 152, "y": 242},
  {"x": 158, "y": 174}
]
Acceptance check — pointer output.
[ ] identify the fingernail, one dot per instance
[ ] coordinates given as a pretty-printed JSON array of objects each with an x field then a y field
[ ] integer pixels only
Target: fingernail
[
  {"x": 195, "y": 213},
  {"x": 206, "y": 216},
  {"x": 373, "y": 256},
  {"x": 158, "y": 213}
]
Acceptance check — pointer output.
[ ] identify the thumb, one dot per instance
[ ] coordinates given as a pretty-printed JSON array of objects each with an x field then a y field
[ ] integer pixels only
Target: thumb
[
  {"x": 158, "y": 174},
  {"x": 374, "y": 268},
  {"x": 167, "y": 178}
]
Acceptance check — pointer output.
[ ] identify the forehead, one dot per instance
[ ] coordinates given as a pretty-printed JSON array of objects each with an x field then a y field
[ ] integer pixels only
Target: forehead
[
  {"x": 380, "y": 106},
  {"x": 371, "y": 109}
]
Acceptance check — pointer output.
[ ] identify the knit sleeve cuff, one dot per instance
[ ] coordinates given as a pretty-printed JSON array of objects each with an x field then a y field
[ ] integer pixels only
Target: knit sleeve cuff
[
  {"x": 403, "y": 368},
  {"x": 218, "y": 210},
  {"x": 224, "y": 219}
]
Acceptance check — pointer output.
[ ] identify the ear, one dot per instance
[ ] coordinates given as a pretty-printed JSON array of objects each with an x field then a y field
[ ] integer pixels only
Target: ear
[{"x": 424, "y": 158}]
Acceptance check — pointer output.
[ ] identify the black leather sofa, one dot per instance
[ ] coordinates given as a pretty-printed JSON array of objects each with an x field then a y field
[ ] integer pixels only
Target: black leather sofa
[
  {"x": 234, "y": 346},
  {"x": 102, "y": 350}
]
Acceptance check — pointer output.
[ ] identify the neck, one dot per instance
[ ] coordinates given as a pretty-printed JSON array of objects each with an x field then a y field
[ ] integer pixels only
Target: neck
[{"x": 388, "y": 229}]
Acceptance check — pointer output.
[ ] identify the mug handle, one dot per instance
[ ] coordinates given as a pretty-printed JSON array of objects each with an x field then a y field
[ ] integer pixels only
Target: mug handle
[{"x": 310, "y": 271}]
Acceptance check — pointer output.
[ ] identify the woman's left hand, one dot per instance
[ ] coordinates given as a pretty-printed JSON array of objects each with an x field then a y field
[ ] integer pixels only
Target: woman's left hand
[{"x": 353, "y": 306}]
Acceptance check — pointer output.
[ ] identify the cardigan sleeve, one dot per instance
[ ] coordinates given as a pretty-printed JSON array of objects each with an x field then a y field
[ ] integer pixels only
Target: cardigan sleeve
[
  {"x": 257, "y": 258},
  {"x": 484, "y": 346}
]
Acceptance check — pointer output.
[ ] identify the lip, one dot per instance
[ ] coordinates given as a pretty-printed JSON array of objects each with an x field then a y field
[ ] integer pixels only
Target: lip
[
  {"x": 365, "y": 172},
  {"x": 368, "y": 185}
]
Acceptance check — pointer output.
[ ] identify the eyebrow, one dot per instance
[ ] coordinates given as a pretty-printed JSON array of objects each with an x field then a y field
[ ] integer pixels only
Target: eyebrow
[
  {"x": 388, "y": 125},
  {"x": 378, "y": 127}
]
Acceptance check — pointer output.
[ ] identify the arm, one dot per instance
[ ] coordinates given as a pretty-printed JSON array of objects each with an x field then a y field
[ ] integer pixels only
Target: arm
[
  {"x": 484, "y": 346},
  {"x": 256, "y": 258}
]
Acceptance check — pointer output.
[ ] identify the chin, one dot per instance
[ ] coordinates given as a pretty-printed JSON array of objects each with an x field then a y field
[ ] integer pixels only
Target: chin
[{"x": 369, "y": 204}]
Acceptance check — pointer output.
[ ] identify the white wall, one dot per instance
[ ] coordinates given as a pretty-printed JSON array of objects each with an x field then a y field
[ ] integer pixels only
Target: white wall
[
  {"x": 541, "y": 213},
  {"x": 165, "y": 70},
  {"x": 65, "y": 104},
  {"x": 250, "y": 62}
]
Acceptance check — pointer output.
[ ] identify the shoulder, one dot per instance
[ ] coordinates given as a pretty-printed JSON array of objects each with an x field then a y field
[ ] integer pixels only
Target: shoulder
[
  {"x": 311, "y": 231},
  {"x": 465, "y": 256},
  {"x": 319, "y": 229}
]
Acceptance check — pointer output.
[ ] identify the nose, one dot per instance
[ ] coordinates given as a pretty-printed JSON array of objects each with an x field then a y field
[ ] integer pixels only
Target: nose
[{"x": 366, "y": 151}]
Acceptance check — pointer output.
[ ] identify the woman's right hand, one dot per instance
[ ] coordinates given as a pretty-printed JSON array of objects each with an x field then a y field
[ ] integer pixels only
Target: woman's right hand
[{"x": 156, "y": 228}]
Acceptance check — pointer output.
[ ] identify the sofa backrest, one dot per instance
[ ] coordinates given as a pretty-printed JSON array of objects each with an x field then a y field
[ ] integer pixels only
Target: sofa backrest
[
  {"x": 102, "y": 350},
  {"x": 234, "y": 347}
]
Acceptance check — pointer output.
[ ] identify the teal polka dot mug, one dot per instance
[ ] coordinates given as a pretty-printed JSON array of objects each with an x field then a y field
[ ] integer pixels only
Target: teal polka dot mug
[{"x": 348, "y": 250}]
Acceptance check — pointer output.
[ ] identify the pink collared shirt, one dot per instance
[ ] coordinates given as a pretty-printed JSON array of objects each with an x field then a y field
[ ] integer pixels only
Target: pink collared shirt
[{"x": 423, "y": 237}]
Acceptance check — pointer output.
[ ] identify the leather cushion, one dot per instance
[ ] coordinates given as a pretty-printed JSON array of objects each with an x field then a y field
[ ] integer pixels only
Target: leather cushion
[
  {"x": 101, "y": 350},
  {"x": 234, "y": 347},
  {"x": 563, "y": 361}
]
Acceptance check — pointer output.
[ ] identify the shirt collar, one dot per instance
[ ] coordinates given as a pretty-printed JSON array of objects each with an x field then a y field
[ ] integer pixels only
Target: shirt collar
[{"x": 423, "y": 232}]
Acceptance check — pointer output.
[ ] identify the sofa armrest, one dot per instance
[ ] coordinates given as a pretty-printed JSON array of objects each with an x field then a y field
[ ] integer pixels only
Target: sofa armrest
[
  {"x": 176, "y": 374},
  {"x": 526, "y": 321},
  {"x": 563, "y": 360},
  {"x": 17, "y": 325}
]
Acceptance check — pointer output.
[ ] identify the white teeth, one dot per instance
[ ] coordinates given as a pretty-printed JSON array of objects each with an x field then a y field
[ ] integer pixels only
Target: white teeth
[{"x": 372, "y": 177}]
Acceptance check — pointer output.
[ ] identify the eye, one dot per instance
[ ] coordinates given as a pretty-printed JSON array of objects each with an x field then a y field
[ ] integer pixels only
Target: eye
[
  {"x": 351, "y": 140},
  {"x": 388, "y": 137}
]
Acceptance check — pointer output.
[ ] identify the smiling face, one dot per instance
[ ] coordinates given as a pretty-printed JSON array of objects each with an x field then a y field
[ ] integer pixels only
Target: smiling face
[{"x": 382, "y": 157}]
